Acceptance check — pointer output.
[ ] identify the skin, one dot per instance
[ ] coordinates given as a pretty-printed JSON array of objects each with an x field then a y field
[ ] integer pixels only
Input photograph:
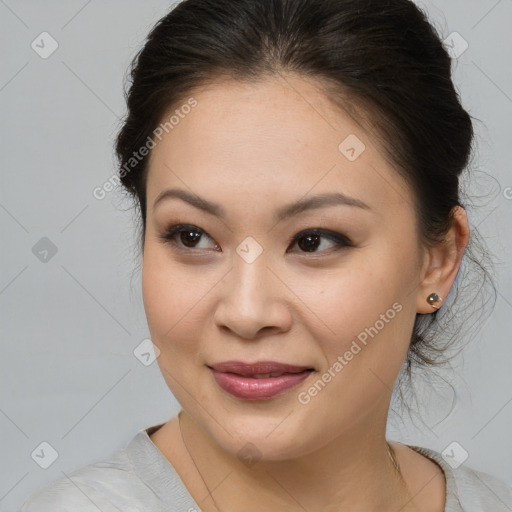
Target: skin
[{"x": 253, "y": 148}]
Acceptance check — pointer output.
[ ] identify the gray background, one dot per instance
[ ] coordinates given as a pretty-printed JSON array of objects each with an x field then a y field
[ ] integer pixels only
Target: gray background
[{"x": 70, "y": 324}]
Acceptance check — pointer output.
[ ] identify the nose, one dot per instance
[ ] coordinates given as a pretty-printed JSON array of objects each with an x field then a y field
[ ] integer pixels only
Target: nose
[{"x": 253, "y": 301}]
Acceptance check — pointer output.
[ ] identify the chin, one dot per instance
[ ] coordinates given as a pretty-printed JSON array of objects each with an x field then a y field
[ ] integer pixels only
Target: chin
[{"x": 264, "y": 436}]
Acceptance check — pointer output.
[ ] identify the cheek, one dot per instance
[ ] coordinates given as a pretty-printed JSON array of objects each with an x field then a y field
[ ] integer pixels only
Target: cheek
[
  {"x": 345, "y": 301},
  {"x": 363, "y": 313},
  {"x": 172, "y": 301},
  {"x": 364, "y": 353},
  {"x": 175, "y": 310}
]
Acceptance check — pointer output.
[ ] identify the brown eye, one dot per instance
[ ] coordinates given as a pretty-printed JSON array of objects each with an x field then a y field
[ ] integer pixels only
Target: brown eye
[
  {"x": 316, "y": 240},
  {"x": 189, "y": 237},
  {"x": 311, "y": 240},
  {"x": 309, "y": 243}
]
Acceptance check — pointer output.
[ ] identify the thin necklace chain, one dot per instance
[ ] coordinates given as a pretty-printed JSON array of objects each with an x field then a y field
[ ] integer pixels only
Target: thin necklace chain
[{"x": 390, "y": 452}]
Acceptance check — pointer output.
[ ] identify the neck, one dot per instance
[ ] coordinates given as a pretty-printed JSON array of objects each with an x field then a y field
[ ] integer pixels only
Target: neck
[{"x": 352, "y": 472}]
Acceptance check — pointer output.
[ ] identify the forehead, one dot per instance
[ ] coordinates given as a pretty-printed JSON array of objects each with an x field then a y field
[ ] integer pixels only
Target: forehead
[{"x": 279, "y": 136}]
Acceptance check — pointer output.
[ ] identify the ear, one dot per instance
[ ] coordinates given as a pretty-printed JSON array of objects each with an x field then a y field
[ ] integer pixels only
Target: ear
[{"x": 442, "y": 262}]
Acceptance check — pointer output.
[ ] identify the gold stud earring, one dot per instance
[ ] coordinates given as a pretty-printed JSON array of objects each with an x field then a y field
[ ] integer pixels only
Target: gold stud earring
[{"x": 434, "y": 297}]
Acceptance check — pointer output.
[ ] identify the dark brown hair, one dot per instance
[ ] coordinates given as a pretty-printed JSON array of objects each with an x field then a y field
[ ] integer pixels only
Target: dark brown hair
[{"x": 381, "y": 61}]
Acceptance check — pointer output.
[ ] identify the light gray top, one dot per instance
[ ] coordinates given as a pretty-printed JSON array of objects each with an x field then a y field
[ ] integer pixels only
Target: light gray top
[{"x": 138, "y": 478}]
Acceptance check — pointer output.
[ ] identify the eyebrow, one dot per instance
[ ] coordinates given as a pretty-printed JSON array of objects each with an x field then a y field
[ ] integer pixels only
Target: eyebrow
[{"x": 285, "y": 212}]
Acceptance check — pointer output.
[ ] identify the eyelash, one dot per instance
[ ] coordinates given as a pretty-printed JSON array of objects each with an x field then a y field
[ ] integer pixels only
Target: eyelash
[{"x": 169, "y": 237}]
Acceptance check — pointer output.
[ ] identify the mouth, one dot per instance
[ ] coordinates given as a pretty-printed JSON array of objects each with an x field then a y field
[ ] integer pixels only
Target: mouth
[{"x": 258, "y": 381}]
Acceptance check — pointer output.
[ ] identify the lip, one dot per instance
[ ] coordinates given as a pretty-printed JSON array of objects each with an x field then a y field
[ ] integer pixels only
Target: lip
[{"x": 238, "y": 378}]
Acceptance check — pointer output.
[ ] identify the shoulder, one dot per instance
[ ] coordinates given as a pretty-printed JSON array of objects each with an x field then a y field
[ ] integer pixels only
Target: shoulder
[
  {"x": 111, "y": 484},
  {"x": 481, "y": 490},
  {"x": 470, "y": 490},
  {"x": 89, "y": 488}
]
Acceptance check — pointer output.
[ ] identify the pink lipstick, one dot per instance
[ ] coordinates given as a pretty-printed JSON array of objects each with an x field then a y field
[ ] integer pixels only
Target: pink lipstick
[{"x": 258, "y": 381}]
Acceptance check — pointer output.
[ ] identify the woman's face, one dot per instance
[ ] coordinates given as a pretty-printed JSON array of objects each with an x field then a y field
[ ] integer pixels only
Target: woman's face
[{"x": 234, "y": 286}]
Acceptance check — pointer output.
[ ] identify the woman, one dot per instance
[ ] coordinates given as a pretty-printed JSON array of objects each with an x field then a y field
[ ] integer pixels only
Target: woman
[{"x": 296, "y": 164}]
